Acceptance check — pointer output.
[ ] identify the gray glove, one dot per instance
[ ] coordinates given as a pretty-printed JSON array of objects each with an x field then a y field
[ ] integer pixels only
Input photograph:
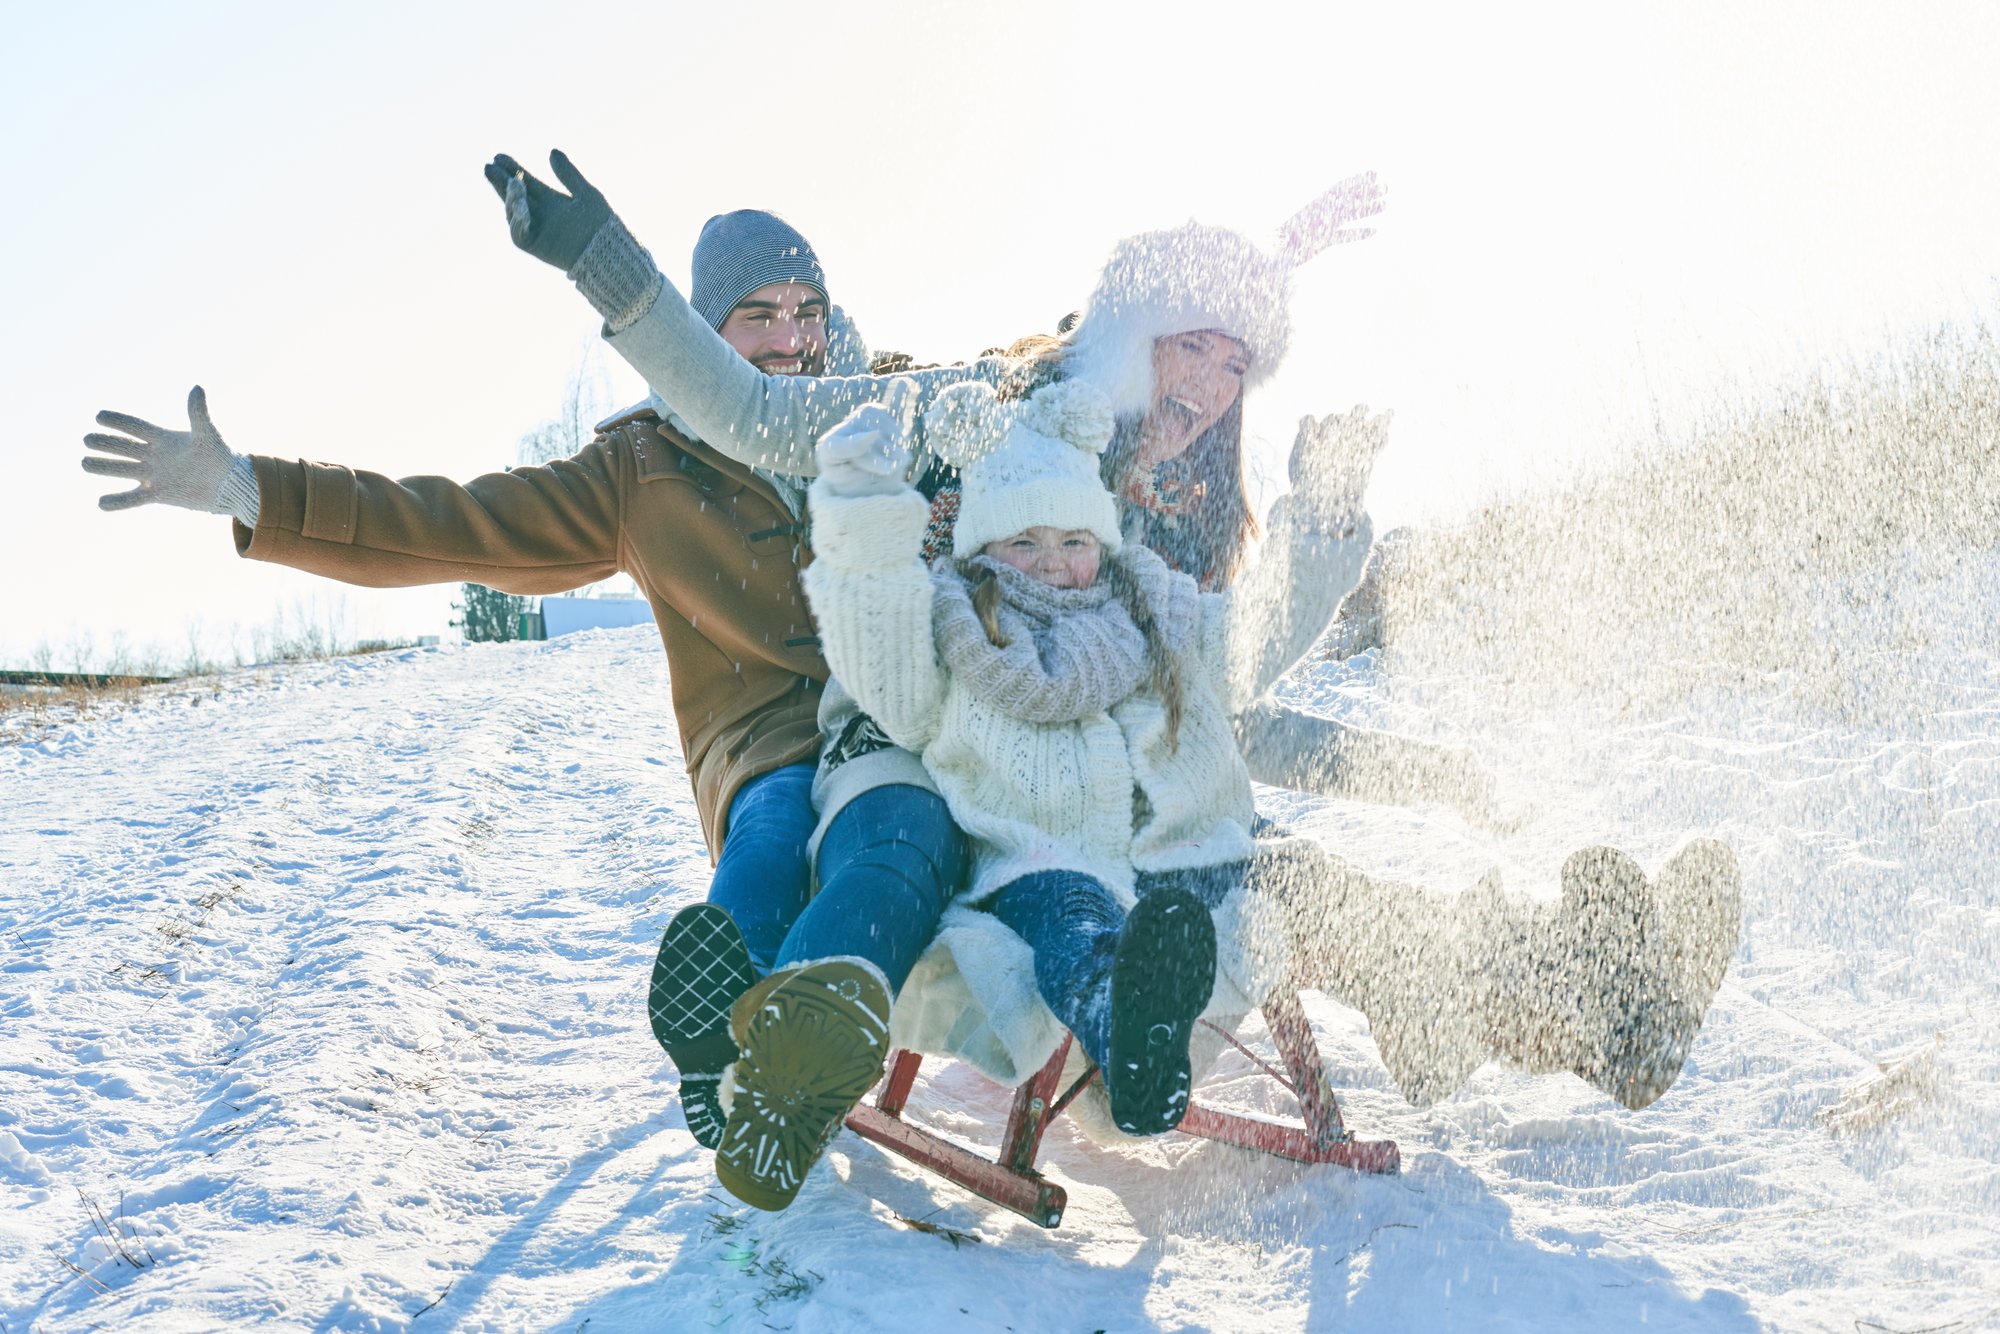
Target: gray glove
[
  {"x": 579, "y": 234},
  {"x": 869, "y": 453},
  {"x": 1332, "y": 459},
  {"x": 193, "y": 469}
]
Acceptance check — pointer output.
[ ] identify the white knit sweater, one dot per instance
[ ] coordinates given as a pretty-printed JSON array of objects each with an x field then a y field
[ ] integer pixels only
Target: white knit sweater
[{"x": 1106, "y": 796}]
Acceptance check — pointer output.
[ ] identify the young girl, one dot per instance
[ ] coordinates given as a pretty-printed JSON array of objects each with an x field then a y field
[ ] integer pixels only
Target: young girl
[{"x": 1067, "y": 692}]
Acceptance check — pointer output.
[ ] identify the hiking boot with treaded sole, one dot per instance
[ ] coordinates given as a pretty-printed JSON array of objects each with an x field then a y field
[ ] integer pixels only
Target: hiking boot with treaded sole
[
  {"x": 1161, "y": 977},
  {"x": 814, "y": 1045},
  {"x": 703, "y": 966}
]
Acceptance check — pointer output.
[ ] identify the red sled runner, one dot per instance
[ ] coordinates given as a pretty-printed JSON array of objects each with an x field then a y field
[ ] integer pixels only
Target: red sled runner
[{"x": 1011, "y": 1181}]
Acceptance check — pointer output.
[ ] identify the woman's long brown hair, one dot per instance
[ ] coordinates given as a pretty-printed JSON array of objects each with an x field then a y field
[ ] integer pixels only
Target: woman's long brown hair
[
  {"x": 986, "y": 606},
  {"x": 1211, "y": 539}
]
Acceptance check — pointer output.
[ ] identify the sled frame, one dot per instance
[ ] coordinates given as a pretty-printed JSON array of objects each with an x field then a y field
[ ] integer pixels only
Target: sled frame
[{"x": 1009, "y": 1179}]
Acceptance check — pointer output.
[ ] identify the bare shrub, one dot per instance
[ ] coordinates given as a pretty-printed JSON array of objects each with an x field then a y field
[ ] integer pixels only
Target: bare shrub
[{"x": 1715, "y": 559}]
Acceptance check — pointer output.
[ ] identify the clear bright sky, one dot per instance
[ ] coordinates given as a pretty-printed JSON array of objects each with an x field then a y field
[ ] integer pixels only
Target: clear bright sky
[{"x": 1598, "y": 215}]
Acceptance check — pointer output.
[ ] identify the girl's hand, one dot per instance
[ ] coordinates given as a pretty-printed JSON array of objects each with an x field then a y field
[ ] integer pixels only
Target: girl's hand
[{"x": 866, "y": 455}]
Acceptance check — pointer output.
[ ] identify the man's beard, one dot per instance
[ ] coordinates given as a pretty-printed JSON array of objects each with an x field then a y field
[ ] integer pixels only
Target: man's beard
[{"x": 810, "y": 363}]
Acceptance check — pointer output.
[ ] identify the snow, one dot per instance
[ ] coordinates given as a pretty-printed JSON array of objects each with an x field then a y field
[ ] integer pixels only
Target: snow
[{"x": 321, "y": 1007}]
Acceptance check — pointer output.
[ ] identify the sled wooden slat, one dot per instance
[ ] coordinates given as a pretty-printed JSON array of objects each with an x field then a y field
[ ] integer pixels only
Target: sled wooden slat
[
  {"x": 1027, "y": 1193},
  {"x": 1030, "y": 1115},
  {"x": 902, "y": 1076},
  {"x": 1284, "y": 1140},
  {"x": 1293, "y": 1034}
]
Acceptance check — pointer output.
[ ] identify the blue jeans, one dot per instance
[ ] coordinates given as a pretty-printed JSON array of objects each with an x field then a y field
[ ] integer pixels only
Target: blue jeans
[
  {"x": 1072, "y": 922},
  {"x": 888, "y": 863},
  {"x": 763, "y": 877}
]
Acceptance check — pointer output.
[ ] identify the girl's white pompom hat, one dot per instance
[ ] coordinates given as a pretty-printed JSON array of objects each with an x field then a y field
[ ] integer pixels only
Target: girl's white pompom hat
[{"x": 1027, "y": 465}]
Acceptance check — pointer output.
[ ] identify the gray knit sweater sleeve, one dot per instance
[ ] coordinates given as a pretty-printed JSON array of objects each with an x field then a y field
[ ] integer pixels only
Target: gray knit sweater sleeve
[{"x": 764, "y": 421}]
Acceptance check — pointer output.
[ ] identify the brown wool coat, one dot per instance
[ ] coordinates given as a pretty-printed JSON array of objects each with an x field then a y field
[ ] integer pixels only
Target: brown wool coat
[{"x": 708, "y": 542}]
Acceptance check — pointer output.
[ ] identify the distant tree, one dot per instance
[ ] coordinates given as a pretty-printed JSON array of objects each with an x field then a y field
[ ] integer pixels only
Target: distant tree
[
  {"x": 488, "y": 616},
  {"x": 586, "y": 401}
]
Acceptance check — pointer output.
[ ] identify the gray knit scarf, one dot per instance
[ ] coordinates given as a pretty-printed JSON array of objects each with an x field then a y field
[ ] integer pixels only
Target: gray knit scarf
[{"x": 1071, "y": 652}]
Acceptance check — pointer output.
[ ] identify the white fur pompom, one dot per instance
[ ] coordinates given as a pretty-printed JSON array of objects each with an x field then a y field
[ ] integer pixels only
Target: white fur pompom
[
  {"x": 1073, "y": 411},
  {"x": 965, "y": 423}
]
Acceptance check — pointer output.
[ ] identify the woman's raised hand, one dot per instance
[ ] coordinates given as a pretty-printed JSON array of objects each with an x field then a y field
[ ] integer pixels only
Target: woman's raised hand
[
  {"x": 869, "y": 453},
  {"x": 1332, "y": 460},
  {"x": 1327, "y": 221},
  {"x": 185, "y": 468}
]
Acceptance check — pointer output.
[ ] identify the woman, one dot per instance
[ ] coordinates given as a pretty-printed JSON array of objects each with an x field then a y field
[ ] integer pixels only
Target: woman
[{"x": 1609, "y": 981}]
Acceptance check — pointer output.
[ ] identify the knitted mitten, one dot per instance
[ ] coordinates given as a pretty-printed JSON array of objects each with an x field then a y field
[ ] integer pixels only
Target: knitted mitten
[
  {"x": 1332, "y": 459},
  {"x": 868, "y": 454}
]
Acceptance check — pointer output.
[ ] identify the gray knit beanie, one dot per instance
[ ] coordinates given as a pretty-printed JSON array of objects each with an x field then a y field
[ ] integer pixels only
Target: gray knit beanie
[{"x": 742, "y": 251}]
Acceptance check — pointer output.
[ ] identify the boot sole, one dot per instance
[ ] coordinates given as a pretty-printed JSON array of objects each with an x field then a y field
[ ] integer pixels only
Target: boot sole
[
  {"x": 701, "y": 1106},
  {"x": 701, "y": 969},
  {"x": 1699, "y": 897},
  {"x": 814, "y": 1047},
  {"x": 1685, "y": 928},
  {"x": 747, "y": 1005},
  {"x": 1700, "y": 894},
  {"x": 1606, "y": 900},
  {"x": 1161, "y": 978}
]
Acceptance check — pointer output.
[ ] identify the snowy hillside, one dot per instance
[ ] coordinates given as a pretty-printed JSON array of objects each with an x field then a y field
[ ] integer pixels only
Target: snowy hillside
[{"x": 321, "y": 1008}]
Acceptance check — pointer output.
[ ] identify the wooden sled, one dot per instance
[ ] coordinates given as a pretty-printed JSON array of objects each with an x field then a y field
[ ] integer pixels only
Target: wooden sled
[{"x": 1011, "y": 1181}]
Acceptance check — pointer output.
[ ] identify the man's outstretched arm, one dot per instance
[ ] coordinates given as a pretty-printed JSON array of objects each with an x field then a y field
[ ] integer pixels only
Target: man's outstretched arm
[
  {"x": 191, "y": 469},
  {"x": 534, "y": 530}
]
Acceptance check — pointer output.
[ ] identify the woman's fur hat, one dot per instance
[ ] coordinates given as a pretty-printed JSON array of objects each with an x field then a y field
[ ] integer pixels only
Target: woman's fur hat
[
  {"x": 1169, "y": 282},
  {"x": 1026, "y": 464}
]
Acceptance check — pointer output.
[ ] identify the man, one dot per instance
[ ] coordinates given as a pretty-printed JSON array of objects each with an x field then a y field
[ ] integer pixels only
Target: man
[{"x": 715, "y": 547}]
